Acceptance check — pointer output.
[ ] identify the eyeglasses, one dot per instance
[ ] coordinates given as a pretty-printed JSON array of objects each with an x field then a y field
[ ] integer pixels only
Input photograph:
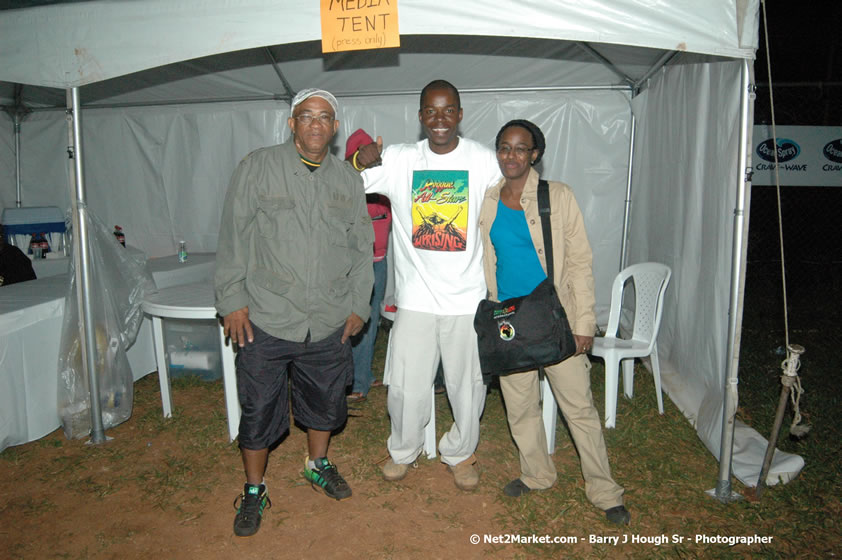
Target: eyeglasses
[
  {"x": 307, "y": 118},
  {"x": 520, "y": 151}
]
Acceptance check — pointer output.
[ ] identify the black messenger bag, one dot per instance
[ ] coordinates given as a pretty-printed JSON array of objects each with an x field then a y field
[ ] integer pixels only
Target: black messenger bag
[{"x": 527, "y": 332}]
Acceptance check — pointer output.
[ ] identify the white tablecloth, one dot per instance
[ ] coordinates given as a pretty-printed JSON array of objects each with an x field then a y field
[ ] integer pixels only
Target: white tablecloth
[
  {"x": 167, "y": 271},
  {"x": 51, "y": 266},
  {"x": 57, "y": 263},
  {"x": 31, "y": 315}
]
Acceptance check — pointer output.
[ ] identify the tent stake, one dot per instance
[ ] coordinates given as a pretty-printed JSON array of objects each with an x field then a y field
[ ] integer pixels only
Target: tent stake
[{"x": 790, "y": 367}]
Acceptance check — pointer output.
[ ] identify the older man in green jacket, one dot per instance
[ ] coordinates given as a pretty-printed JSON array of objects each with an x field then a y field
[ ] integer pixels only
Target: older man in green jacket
[{"x": 293, "y": 281}]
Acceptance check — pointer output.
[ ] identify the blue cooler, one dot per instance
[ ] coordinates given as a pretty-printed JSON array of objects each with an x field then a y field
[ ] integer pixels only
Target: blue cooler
[{"x": 20, "y": 224}]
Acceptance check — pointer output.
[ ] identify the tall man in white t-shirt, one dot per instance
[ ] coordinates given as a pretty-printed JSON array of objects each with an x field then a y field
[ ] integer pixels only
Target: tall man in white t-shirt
[{"x": 436, "y": 187}]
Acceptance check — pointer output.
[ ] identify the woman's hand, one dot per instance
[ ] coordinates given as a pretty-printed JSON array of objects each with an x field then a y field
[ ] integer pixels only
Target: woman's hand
[{"x": 583, "y": 344}]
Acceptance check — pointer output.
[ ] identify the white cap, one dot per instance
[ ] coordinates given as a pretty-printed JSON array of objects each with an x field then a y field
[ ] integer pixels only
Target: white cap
[{"x": 314, "y": 92}]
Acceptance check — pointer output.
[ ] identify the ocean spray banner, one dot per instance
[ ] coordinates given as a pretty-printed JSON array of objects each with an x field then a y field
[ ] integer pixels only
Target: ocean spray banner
[{"x": 808, "y": 156}]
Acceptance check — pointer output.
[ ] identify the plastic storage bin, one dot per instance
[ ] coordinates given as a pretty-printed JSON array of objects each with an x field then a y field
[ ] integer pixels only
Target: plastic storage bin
[{"x": 193, "y": 348}]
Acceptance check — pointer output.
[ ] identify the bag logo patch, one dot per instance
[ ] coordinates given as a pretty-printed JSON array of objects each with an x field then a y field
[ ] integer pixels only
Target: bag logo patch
[
  {"x": 504, "y": 312},
  {"x": 506, "y": 329}
]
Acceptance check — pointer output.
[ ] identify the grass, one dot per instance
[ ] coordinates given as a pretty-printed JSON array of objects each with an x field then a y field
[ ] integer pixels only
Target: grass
[
  {"x": 665, "y": 468},
  {"x": 178, "y": 463}
]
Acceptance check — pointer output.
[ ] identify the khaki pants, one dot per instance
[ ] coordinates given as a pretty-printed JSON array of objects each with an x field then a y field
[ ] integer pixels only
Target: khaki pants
[{"x": 571, "y": 385}]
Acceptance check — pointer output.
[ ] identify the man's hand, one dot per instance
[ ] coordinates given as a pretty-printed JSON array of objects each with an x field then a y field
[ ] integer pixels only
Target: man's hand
[
  {"x": 369, "y": 155},
  {"x": 583, "y": 344},
  {"x": 353, "y": 326},
  {"x": 238, "y": 327}
]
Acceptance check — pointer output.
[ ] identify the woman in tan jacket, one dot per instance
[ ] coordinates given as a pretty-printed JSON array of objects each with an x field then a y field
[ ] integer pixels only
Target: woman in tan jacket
[{"x": 514, "y": 264}]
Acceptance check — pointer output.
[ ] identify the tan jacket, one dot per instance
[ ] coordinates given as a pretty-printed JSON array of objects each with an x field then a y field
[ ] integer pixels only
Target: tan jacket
[{"x": 572, "y": 255}]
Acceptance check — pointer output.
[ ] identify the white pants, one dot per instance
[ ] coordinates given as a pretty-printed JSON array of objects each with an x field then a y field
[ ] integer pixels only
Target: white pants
[{"x": 416, "y": 343}]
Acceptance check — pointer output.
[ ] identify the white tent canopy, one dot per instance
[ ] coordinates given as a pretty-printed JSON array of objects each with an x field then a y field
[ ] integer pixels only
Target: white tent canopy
[
  {"x": 176, "y": 93},
  {"x": 67, "y": 45}
]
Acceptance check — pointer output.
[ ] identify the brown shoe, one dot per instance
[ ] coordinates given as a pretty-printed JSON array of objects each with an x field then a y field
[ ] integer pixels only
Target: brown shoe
[
  {"x": 465, "y": 474},
  {"x": 356, "y": 398},
  {"x": 394, "y": 472}
]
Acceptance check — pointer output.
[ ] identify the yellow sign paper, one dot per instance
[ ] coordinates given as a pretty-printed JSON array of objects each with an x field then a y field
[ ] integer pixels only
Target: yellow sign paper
[{"x": 351, "y": 25}]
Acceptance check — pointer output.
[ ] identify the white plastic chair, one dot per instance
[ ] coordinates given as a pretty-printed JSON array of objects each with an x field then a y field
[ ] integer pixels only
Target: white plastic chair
[
  {"x": 650, "y": 283},
  {"x": 549, "y": 413}
]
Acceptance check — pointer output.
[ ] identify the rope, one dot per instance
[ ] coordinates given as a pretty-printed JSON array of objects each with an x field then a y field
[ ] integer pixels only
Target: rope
[
  {"x": 792, "y": 364},
  {"x": 790, "y": 379},
  {"x": 777, "y": 173}
]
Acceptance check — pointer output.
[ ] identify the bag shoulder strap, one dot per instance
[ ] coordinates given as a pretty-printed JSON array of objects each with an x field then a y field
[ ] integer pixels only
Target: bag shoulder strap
[{"x": 544, "y": 212}]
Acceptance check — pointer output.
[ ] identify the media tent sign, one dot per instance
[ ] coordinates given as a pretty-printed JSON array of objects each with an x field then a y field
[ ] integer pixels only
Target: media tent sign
[{"x": 353, "y": 25}]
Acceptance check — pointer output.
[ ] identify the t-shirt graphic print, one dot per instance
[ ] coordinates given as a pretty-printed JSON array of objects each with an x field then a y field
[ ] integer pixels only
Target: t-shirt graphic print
[{"x": 440, "y": 210}]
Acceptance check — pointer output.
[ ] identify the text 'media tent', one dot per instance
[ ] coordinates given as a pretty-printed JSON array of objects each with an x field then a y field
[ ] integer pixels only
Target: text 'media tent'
[{"x": 646, "y": 107}]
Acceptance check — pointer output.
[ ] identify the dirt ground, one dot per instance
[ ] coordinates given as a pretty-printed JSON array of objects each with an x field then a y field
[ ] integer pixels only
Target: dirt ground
[{"x": 165, "y": 489}]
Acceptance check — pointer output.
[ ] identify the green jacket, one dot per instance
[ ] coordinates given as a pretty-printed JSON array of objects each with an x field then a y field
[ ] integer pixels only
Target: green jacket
[{"x": 295, "y": 246}]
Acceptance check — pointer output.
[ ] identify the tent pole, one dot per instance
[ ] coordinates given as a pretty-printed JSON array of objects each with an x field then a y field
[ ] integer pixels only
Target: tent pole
[
  {"x": 18, "y": 201},
  {"x": 723, "y": 490},
  {"x": 605, "y": 62},
  {"x": 18, "y": 115},
  {"x": 627, "y": 206},
  {"x": 87, "y": 334},
  {"x": 667, "y": 56},
  {"x": 287, "y": 99},
  {"x": 287, "y": 87}
]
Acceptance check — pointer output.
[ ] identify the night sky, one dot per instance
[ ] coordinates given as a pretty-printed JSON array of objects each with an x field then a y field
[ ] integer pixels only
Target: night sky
[
  {"x": 805, "y": 45},
  {"x": 804, "y": 41}
]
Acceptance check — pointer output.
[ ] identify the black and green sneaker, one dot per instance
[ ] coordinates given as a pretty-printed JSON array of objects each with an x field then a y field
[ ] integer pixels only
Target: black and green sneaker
[
  {"x": 252, "y": 502},
  {"x": 326, "y": 477}
]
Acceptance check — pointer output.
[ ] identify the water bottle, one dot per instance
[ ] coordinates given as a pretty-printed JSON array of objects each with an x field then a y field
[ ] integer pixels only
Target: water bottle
[
  {"x": 35, "y": 246},
  {"x": 182, "y": 251},
  {"x": 121, "y": 237},
  {"x": 45, "y": 246}
]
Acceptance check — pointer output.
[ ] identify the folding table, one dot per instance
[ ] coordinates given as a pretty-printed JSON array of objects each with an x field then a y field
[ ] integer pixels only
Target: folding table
[{"x": 191, "y": 301}]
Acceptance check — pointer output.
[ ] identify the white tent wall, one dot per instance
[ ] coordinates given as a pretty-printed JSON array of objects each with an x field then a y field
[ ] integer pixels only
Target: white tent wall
[
  {"x": 587, "y": 138},
  {"x": 162, "y": 172},
  {"x": 7, "y": 161},
  {"x": 43, "y": 161},
  {"x": 685, "y": 181}
]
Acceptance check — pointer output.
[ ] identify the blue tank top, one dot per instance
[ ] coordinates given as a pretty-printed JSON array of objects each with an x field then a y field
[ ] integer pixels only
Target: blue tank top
[{"x": 518, "y": 267}]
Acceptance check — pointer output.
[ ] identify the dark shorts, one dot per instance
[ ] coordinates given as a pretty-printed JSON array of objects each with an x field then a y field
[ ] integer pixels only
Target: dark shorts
[{"x": 320, "y": 372}]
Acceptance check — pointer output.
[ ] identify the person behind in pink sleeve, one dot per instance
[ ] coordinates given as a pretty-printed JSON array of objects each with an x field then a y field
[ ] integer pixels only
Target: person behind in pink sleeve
[{"x": 380, "y": 211}]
